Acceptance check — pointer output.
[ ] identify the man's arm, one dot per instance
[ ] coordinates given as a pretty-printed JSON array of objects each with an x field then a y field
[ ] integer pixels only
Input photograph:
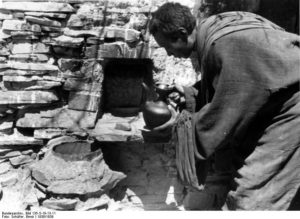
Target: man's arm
[{"x": 240, "y": 85}]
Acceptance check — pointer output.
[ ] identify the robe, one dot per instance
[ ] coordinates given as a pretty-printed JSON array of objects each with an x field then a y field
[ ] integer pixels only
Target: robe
[{"x": 249, "y": 99}]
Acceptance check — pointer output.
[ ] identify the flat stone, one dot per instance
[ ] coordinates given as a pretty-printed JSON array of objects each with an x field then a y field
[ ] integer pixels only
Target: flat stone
[
  {"x": 22, "y": 38},
  {"x": 27, "y": 97},
  {"x": 4, "y": 167},
  {"x": 5, "y": 16},
  {"x": 128, "y": 35},
  {"x": 29, "y": 58},
  {"x": 45, "y": 14},
  {"x": 94, "y": 40},
  {"x": 76, "y": 84},
  {"x": 12, "y": 154},
  {"x": 19, "y": 160},
  {"x": 6, "y": 127},
  {"x": 27, "y": 152},
  {"x": 17, "y": 72},
  {"x": 84, "y": 100},
  {"x": 93, "y": 204},
  {"x": 43, "y": 21},
  {"x": 38, "y": 7},
  {"x": 60, "y": 204},
  {"x": 18, "y": 15},
  {"x": 69, "y": 64},
  {"x": 4, "y": 52},
  {"x": 23, "y": 33},
  {"x": 9, "y": 179},
  {"x": 76, "y": 21},
  {"x": 51, "y": 29},
  {"x": 14, "y": 141},
  {"x": 65, "y": 119},
  {"x": 27, "y": 78},
  {"x": 48, "y": 133},
  {"x": 23, "y": 48},
  {"x": 67, "y": 41},
  {"x": 32, "y": 66},
  {"x": 19, "y": 25}
]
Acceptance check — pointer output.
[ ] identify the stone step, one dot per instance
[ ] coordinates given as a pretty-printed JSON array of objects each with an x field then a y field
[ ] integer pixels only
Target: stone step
[
  {"x": 27, "y": 97},
  {"x": 38, "y": 7},
  {"x": 63, "y": 118}
]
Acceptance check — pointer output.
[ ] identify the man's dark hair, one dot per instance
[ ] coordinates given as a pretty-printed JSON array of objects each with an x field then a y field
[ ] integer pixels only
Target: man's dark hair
[{"x": 171, "y": 16}]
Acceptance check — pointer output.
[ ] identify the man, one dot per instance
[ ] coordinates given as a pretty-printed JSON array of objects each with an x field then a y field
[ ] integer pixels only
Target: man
[{"x": 248, "y": 99}]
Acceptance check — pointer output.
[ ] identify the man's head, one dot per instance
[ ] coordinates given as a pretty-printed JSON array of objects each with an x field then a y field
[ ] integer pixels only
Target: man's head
[{"x": 173, "y": 27}]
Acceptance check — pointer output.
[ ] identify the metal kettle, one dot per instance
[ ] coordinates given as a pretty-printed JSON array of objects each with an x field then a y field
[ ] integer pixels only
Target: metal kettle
[{"x": 155, "y": 112}]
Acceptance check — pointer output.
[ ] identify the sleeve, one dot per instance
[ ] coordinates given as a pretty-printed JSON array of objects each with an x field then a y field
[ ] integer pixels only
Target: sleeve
[
  {"x": 192, "y": 99},
  {"x": 239, "y": 93}
]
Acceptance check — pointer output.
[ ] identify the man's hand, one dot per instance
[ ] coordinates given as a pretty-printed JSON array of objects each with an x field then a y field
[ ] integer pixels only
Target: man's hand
[{"x": 176, "y": 98}]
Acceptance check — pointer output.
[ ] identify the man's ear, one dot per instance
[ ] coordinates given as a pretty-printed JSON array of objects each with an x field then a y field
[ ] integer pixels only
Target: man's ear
[{"x": 183, "y": 33}]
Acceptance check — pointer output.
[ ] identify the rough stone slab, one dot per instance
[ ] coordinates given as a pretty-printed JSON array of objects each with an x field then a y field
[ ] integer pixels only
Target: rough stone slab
[
  {"x": 67, "y": 41},
  {"x": 20, "y": 160},
  {"x": 45, "y": 14},
  {"x": 76, "y": 84},
  {"x": 48, "y": 133},
  {"x": 19, "y": 25},
  {"x": 43, "y": 21},
  {"x": 29, "y": 48},
  {"x": 26, "y": 78},
  {"x": 128, "y": 35},
  {"x": 18, "y": 15},
  {"x": 9, "y": 179},
  {"x": 63, "y": 118},
  {"x": 27, "y": 97},
  {"x": 60, "y": 204},
  {"x": 38, "y": 7},
  {"x": 105, "y": 129},
  {"x": 16, "y": 72},
  {"x": 4, "y": 167},
  {"x": 4, "y": 52},
  {"x": 22, "y": 38},
  {"x": 6, "y": 127},
  {"x": 24, "y": 33},
  {"x": 51, "y": 29},
  {"x": 76, "y": 21},
  {"x": 12, "y": 154},
  {"x": 29, "y": 58},
  {"x": 31, "y": 66},
  {"x": 93, "y": 204},
  {"x": 32, "y": 85},
  {"x": 15, "y": 140},
  {"x": 69, "y": 64},
  {"x": 84, "y": 100},
  {"x": 6, "y": 16}
]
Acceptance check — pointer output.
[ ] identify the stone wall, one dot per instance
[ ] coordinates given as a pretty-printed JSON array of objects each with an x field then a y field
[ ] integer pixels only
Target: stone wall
[{"x": 52, "y": 60}]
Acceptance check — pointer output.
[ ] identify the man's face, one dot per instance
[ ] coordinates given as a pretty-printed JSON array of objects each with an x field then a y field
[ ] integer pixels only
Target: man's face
[{"x": 178, "y": 48}]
